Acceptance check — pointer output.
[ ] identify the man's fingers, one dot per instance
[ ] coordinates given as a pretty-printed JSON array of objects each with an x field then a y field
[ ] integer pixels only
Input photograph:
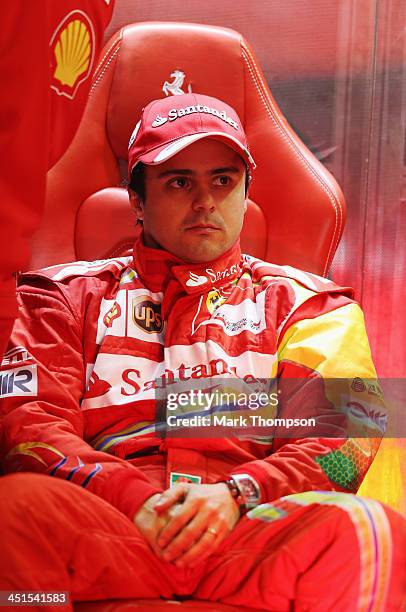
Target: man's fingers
[
  {"x": 150, "y": 538},
  {"x": 191, "y": 534},
  {"x": 202, "y": 549},
  {"x": 170, "y": 497},
  {"x": 179, "y": 517},
  {"x": 185, "y": 538},
  {"x": 204, "y": 508}
]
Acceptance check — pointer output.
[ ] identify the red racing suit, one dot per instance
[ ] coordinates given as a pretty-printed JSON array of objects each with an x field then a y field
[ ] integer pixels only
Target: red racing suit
[{"x": 95, "y": 340}]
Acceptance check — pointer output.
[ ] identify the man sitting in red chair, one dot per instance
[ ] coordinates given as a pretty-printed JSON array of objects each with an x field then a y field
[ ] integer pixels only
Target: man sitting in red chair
[{"x": 254, "y": 518}]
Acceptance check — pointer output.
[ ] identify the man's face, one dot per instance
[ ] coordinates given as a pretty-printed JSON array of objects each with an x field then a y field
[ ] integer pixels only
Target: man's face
[{"x": 195, "y": 201}]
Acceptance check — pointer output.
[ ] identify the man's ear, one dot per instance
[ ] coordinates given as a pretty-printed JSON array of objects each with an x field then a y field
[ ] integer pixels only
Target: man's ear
[{"x": 137, "y": 204}]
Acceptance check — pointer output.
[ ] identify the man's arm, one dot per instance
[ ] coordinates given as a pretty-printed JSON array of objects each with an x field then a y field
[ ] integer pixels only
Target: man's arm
[
  {"x": 43, "y": 381},
  {"x": 313, "y": 351},
  {"x": 319, "y": 358}
]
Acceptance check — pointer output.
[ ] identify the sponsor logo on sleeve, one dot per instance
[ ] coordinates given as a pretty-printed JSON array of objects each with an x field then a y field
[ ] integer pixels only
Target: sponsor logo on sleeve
[
  {"x": 19, "y": 382},
  {"x": 16, "y": 355}
]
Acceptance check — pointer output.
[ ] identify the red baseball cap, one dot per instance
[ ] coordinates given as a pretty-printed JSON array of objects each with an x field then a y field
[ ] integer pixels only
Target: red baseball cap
[{"x": 169, "y": 125}]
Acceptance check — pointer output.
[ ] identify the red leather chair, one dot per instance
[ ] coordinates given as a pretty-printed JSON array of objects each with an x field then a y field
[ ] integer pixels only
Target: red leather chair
[{"x": 297, "y": 212}]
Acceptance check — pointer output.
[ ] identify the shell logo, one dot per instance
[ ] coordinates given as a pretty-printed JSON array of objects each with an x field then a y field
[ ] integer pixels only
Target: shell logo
[{"x": 72, "y": 53}]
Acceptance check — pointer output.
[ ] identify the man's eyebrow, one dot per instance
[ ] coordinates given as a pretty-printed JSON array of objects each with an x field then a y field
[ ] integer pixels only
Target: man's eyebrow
[
  {"x": 226, "y": 170},
  {"x": 185, "y": 172},
  {"x": 174, "y": 171}
]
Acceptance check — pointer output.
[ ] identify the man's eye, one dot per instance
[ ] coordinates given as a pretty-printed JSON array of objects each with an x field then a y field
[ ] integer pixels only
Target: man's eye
[
  {"x": 179, "y": 183},
  {"x": 222, "y": 180}
]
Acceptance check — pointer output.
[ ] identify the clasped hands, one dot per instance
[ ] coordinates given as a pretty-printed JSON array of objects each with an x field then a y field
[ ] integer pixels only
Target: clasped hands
[{"x": 186, "y": 523}]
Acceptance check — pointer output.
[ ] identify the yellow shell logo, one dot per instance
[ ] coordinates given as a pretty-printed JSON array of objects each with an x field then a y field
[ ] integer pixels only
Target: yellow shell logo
[
  {"x": 72, "y": 53},
  {"x": 72, "y": 46}
]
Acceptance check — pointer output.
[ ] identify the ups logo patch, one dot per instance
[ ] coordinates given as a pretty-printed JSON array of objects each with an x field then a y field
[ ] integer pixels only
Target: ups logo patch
[{"x": 147, "y": 314}]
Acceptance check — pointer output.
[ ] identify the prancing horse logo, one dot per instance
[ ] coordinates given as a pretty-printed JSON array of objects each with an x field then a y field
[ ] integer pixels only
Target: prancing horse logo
[{"x": 175, "y": 88}]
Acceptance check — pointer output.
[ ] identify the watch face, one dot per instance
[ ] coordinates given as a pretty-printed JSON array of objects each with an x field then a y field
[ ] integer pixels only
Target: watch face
[{"x": 249, "y": 490}]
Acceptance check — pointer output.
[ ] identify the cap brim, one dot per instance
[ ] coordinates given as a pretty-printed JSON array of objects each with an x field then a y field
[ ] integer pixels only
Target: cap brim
[{"x": 162, "y": 154}]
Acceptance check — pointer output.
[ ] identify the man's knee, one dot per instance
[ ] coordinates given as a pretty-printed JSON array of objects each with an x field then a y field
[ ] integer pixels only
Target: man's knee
[
  {"x": 26, "y": 487},
  {"x": 29, "y": 498}
]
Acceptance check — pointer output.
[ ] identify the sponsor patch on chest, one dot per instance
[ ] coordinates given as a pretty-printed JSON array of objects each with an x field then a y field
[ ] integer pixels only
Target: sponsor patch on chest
[
  {"x": 178, "y": 477},
  {"x": 134, "y": 313},
  {"x": 146, "y": 313}
]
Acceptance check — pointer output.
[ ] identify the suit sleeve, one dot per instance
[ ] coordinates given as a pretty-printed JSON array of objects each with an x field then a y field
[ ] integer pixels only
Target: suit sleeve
[
  {"x": 325, "y": 371},
  {"x": 42, "y": 382}
]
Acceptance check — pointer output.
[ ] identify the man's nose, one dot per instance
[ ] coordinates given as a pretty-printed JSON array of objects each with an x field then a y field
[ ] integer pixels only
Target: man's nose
[{"x": 203, "y": 199}]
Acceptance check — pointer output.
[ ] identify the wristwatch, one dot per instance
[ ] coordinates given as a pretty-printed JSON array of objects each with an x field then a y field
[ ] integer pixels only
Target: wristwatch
[{"x": 245, "y": 491}]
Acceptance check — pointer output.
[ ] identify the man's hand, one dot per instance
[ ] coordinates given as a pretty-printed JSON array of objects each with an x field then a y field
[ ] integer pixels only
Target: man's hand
[
  {"x": 203, "y": 517},
  {"x": 150, "y": 523}
]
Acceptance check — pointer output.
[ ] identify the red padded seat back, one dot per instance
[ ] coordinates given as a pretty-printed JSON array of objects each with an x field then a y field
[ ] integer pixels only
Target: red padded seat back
[{"x": 299, "y": 211}]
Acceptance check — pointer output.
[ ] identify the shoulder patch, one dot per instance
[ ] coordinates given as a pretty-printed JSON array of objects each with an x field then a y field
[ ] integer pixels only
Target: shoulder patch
[
  {"x": 262, "y": 269},
  {"x": 19, "y": 382},
  {"x": 82, "y": 268}
]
